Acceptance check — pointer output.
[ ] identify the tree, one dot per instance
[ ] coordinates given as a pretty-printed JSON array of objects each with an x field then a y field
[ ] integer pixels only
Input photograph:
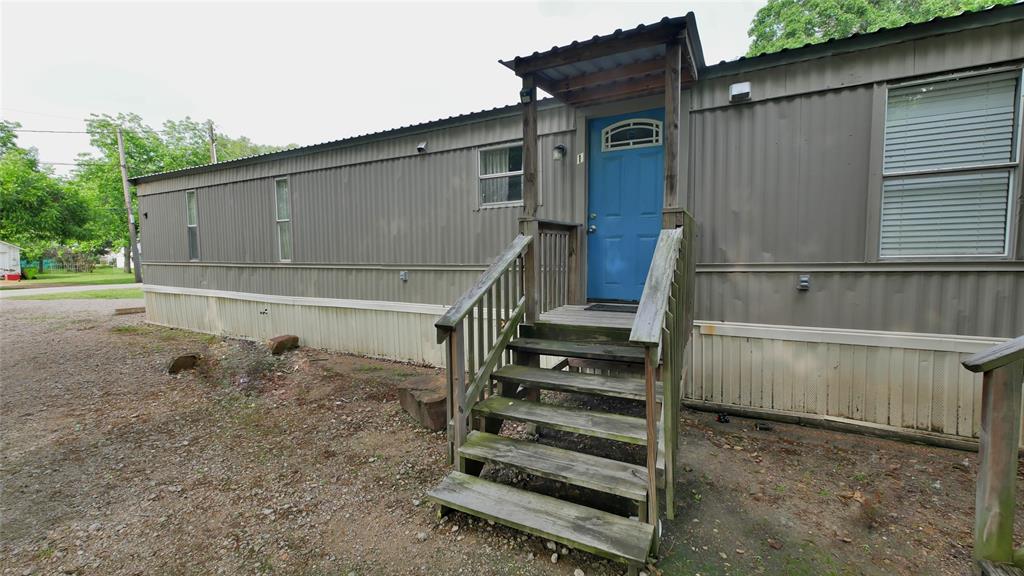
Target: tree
[
  {"x": 792, "y": 23},
  {"x": 37, "y": 209}
]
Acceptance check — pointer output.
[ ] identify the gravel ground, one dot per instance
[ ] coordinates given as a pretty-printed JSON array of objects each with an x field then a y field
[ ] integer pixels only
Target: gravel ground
[{"x": 306, "y": 464}]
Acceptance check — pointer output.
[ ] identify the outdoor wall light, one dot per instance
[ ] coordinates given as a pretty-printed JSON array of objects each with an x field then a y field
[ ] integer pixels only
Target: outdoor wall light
[
  {"x": 524, "y": 96},
  {"x": 558, "y": 152},
  {"x": 421, "y": 147}
]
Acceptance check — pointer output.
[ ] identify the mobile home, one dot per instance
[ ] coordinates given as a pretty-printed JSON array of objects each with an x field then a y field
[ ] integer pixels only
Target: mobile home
[{"x": 855, "y": 232}]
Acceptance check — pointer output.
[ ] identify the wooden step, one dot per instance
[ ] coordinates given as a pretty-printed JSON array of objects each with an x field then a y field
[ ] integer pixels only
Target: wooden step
[
  {"x": 617, "y": 387},
  {"x": 578, "y": 469},
  {"x": 576, "y": 420},
  {"x": 580, "y": 527},
  {"x": 590, "y": 350}
]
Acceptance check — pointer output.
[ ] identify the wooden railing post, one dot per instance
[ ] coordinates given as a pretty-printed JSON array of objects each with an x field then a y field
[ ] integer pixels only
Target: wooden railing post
[
  {"x": 650, "y": 371},
  {"x": 999, "y": 441},
  {"x": 531, "y": 270},
  {"x": 995, "y": 501},
  {"x": 457, "y": 394}
]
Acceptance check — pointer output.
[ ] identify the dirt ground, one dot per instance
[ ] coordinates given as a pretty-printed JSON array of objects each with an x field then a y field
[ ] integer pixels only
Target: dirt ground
[{"x": 306, "y": 464}]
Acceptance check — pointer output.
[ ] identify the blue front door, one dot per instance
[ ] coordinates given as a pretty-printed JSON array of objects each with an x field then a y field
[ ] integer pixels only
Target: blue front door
[{"x": 625, "y": 185}]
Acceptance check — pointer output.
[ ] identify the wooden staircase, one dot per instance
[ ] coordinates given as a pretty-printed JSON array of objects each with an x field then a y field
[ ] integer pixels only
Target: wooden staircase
[{"x": 496, "y": 345}]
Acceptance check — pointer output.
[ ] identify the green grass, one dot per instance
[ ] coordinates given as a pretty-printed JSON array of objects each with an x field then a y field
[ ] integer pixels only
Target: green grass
[
  {"x": 114, "y": 294},
  {"x": 100, "y": 276}
]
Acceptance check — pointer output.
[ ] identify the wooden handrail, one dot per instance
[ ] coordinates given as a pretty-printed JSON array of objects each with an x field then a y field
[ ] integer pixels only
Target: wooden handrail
[
  {"x": 997, "y": 356},
  {"x": 650, "y": 314},
  {"x": 470, "y": 297}
]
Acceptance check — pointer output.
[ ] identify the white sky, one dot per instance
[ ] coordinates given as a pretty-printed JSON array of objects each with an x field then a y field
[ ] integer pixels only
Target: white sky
[{"x": 283, "y": 72}]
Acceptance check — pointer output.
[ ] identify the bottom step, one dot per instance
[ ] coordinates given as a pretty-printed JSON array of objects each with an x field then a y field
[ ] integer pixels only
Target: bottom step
[{"x": 583, "y": 528}]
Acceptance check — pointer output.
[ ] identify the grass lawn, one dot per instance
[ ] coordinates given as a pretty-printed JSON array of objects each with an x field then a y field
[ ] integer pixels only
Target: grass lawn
[
  {"x": 99, "y": 276},
  {"x": 114, "y": 294}
]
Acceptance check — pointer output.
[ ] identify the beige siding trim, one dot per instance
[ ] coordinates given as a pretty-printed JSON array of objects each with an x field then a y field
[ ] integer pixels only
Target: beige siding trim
[
  {"x": 877, "y": 379},
  {"x": 434, "y": 310},
  {"x": 394, "y": 334},
  {"x": 874, "y": 338}
]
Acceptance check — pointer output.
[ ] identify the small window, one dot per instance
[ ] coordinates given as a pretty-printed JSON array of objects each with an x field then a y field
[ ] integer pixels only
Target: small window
[
  {"x": 501, "y": 175},
  {"x": 949, "y": 164},
  {"x": 283, "y": 213},
  {"x": 634, "y": 133},
  {"x": 192, "y": 224}
]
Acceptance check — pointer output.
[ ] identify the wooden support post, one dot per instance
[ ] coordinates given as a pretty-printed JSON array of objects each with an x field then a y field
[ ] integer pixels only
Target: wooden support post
[
  {"x": 137, "y": 260},
  {"x": 673, "y": 61},
  {"x": 997, "y": 472},
  {"x": 528, "y": 221}
]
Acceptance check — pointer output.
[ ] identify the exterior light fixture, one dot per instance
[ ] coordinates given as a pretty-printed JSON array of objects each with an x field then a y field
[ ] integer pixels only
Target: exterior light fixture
[
  {"x": 421, "y": 147},
  {"x": 558, "y": 152},
  {"x": 524, "y": 96}
]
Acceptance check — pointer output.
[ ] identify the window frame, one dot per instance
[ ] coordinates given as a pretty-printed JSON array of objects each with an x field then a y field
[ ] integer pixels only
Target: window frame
[
  {"x": 199, "y": 252},
  {"x": 607, "y": 131},
  {"x": 481, "y": 205},
  {"x": 278, "y": 220},
  {"x": 1013, "y": 166}
]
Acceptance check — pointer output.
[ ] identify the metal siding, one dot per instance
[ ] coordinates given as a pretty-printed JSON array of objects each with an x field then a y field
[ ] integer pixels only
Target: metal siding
[
  {"x": 963, "y": 303},
  {"x": 552, "y": 118},
  {"x": 162, "y": 226},
  {"x": 968, "y": 48},
  {"x": 783, "y": 180}
]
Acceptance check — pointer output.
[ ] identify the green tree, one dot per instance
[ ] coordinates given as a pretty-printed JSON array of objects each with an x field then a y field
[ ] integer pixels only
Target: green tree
[
  {"x": 38, "y": 211},
  {"x": 792, "y": 23}
]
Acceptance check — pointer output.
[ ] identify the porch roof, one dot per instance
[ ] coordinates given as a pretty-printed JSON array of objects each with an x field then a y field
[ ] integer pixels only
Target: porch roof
[{"x": 623, "y": 64}]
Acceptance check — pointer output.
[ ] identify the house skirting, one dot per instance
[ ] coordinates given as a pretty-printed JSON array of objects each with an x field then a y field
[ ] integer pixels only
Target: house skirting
[{"x": 874, "y": 380}]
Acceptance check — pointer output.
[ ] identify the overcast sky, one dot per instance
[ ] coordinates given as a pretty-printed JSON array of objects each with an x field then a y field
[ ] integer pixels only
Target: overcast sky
[{"x": 283, "y": 72}]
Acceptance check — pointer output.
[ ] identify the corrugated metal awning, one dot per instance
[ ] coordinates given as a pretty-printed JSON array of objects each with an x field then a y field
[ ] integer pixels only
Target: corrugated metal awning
[{"x": 623, "y": 64}]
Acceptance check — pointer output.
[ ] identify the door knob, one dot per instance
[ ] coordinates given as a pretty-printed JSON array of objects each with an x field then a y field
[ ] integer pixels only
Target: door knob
[{"x": 592, "y": 228}]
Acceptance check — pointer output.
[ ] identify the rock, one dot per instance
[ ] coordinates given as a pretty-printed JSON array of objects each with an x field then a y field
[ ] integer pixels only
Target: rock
[
  {"x": 529, "y": 556},
  {"x": 554, "y": 558},
  {"x": 421, "y": 536},
  {"x": 415, "y": 502},
  {"x": 183, "y": 362},
  {"x": 578, "y": 572},
  {"x": 565, "y": 551},
  {"x": 551, "y": 545},
  {"x": 282, "y": 343},
  {"x": 425, "y": 399},
  {"x": 455, "y": 528},
  {"x": 94, "y": 527}
]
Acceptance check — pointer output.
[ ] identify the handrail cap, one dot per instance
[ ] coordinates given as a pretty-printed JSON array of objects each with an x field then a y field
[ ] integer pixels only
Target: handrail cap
[{"x": 997, "y": 356}]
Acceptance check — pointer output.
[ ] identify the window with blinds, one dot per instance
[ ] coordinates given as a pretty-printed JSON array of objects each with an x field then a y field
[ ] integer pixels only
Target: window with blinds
[{"x": 949, "y": 164}]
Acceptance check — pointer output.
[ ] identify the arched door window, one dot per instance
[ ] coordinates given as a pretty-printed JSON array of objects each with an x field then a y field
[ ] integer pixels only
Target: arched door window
[{"x": 632, "y": 133}]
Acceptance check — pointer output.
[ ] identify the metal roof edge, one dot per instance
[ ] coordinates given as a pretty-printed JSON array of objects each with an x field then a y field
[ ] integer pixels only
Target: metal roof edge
[
  {"x": 696, "y": 48},
  {"x": 468, "y": 118},
  {"x": 911, "y": 31}
]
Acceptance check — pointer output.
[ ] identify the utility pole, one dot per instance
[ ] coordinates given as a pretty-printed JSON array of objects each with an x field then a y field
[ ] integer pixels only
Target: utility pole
[
  {"x": 213, "y": 142},
  {"x": 128, "y": 207}
]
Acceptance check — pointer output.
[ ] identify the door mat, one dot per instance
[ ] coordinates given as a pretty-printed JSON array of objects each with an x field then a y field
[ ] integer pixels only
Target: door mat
[{"x": 606, "y": 307}]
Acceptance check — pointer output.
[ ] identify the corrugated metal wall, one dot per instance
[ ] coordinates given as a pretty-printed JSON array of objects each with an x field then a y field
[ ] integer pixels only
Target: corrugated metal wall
[
  {"x": 977, "y": 47},
  {"x": 971, "y": 303},
  {"x": 162, "y": 226},
  {"x": 424, "y": 285},
  {"x": 421, "y": 210},
  {"x": 444, "y": 136},
  {"x": 783, "y": 180}
]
